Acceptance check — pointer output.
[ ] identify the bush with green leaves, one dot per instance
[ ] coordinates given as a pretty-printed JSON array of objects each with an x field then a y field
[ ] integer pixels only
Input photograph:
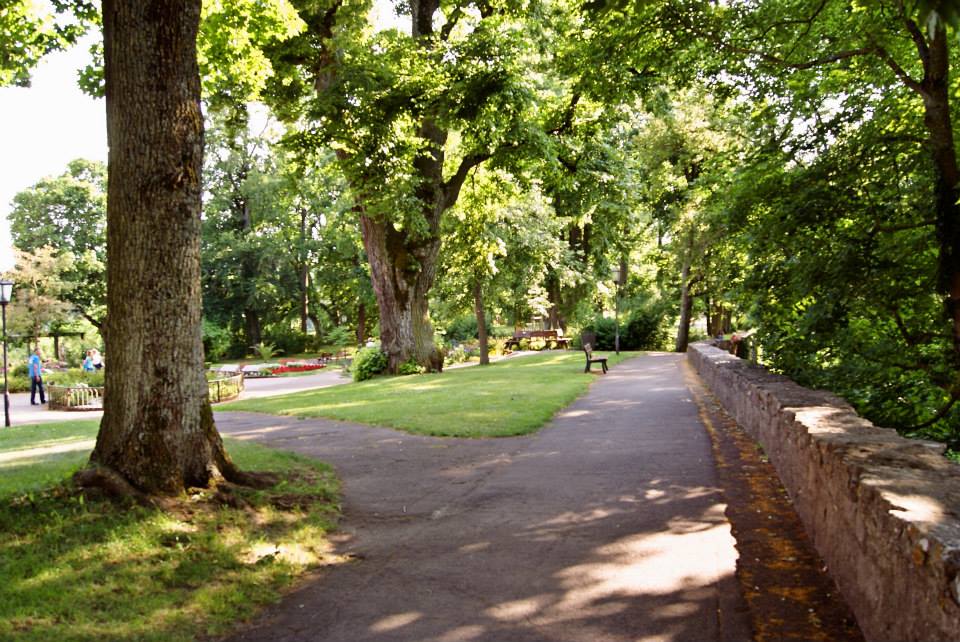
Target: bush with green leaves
[
  {"x": 465, "y": 328},
  {"x": 341, "y": 336},
  {"x": 368, "y": 362},
  {"x": 216, "y": 340},
  {"x": 74, "y": 377},
  {"x": 286, "y": 340},
  {"x": 455, "y": 355},
  {"x": 410, "y": 368},
  {"x": 265, "y": 351}
]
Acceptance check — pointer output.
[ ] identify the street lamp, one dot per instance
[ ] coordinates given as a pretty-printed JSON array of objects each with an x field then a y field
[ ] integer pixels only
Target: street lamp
[
  {"x": 6, "y": 292},
  {"x": 617, "y": 276}
]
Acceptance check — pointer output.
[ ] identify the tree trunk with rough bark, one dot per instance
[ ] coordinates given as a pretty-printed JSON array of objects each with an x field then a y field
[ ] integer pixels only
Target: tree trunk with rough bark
[
  {"x": 481, "y": 322},
  {"x": 934, "y": 89},
  {"x": 686, "y": 298},
  {"x": 402, "y": 270},
  {"x": 157, "y": 431}
]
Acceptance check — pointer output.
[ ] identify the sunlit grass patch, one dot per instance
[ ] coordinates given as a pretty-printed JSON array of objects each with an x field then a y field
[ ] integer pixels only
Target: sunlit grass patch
[
  {"x": 511, "y": 397},
  {"x": 78, "y": 570}
]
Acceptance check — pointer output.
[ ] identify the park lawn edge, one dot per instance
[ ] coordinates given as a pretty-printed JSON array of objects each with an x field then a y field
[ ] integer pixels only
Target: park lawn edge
[
  {"x": 458, "y": 413},
  {"x": 75, "y": 568}
]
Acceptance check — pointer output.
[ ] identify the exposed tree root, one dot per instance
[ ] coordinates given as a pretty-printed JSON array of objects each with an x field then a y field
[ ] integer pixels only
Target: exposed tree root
[{"x": 110, "y": 483}]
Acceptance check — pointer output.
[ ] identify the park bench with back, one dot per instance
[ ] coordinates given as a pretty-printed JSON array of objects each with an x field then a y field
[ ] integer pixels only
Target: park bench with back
[
  {"x": 548, "y": 336},
  {"x": 587, "y": 341}
]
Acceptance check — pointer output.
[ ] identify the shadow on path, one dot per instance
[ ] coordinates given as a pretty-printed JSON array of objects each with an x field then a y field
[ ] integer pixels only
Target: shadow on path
[{"x": 606, "y": 525}]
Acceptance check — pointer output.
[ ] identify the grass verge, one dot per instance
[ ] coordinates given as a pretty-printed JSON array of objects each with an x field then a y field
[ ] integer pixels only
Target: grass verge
[
  {"x": 510, "y": 397},
  {"x": 82, "y": 570}
]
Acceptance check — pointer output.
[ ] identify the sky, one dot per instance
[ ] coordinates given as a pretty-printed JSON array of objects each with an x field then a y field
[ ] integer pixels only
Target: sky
[{"x": 45, "y": 126}]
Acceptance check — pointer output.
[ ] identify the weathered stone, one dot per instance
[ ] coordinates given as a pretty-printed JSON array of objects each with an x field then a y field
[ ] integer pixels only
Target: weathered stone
[{"x": 882, "y": 510}]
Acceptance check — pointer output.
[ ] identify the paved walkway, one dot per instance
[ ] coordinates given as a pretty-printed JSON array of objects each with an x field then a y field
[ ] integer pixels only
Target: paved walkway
[
  {"x": 607, "y": 525},
  {"x": 21, "y": 412}
]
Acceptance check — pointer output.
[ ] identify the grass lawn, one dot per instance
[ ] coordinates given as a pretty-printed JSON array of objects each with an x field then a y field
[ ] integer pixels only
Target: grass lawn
[
  {"x": 93, "y": 570},
  {"x": 510, "y": 397}
]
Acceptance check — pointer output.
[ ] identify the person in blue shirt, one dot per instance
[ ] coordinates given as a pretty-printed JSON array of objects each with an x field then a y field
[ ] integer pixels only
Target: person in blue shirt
[
  {"x": 88, "y": 362},
  {"x": 35, "y": 372}
]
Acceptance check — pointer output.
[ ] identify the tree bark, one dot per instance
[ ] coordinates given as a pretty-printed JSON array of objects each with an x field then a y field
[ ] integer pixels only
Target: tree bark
[
  {"x": 481, "y": 322},
  {"x": 686, "y": 298},
  {"x": 936, "y": 101},
  {"x": 157, "y": 430},
  {"x": 304, "y": 271},
  {"x": 402, "y": 271}
]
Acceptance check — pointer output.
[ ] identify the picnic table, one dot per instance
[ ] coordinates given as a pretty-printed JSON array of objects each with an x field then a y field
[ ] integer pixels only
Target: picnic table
[{"x": 548, "y": 336}]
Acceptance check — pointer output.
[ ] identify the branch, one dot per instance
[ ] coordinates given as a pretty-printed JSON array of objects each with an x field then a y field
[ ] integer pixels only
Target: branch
[
  {"x": 451, "y": 188},
  {"x": 899, "y": 71},
  {"x": 940, "y": 414},
  {"x": 567, "y": 121},
  {"x": 455, "y": 16}
]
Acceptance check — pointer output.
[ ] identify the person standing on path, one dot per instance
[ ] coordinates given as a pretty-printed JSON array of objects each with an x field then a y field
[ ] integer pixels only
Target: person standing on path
[{"x": 35, "y": 372}]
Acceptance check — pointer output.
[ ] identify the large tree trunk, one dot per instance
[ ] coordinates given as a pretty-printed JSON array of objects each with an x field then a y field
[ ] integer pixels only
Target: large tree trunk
[
  {"x": 361, "y": 323},
  {"x": 402, "y": 271},
  {"x": 481, "y": 322},
  {"x": 157, "y": 430},
  {"x": 937, "y": 118},
  {"x": 686, "y": 298}
]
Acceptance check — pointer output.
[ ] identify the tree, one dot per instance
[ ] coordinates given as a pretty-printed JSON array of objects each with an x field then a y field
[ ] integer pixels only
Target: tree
[
  {"x": 157, "y": 432},
  {"x": 39, "y": 304},
  {"x": 26, "y": 35},
  {"x": 409, "y": 117},
  {"x": 68, "y": 212}
]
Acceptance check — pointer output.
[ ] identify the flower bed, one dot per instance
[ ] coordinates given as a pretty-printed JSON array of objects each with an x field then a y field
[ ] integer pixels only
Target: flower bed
[{"x": 297, "y": 367}]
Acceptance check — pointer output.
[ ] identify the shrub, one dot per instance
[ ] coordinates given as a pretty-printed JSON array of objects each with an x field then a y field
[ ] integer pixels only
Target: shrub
[
  {"x": 456, "y": 355},
  {"x": 409, "y": 368},
  {"x": 367, "y": 363},
  {"x": 216, "y": 340},
  {"x": 265, "y": 351},
  {"x": 465, "y": 328},
  {"x": 644, "y": 330},
  {"x": 73, "y": 377},
  {"x": 341, "y": 336},
  {"x": 286, "y": 340}
]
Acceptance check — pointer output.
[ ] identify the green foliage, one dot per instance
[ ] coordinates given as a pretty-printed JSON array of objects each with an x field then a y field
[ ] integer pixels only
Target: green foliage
[
  {"x": 341, "y": 336},
  {"x": 465, "y": 328},
  {"x": 75, "y": 376},
  {"x": 410, "y": 368},
  {"x": 265, "y": 351},
  {"x": 26, "y": 34},
  {"x": 367, "y": 363},
  {"x": 286, "y": 340},
  {"x": 216, "y": 341}
]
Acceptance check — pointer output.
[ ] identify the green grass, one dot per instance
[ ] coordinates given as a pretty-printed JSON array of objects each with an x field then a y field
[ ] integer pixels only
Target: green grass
[
  {"x": 511, "y": 397},
  {"x": 92, "y": 570}
]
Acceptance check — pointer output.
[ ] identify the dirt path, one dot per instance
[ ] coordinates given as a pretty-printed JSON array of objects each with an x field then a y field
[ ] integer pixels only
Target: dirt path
[{"x": 606, "y": 525}]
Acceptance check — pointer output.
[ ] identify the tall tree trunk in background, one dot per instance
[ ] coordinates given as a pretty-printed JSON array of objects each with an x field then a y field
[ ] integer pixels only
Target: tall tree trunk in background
[
  {"x": 251, "y": 326},
  {"x": 157, "y": 430},
  {"x": 935, "y": 91},
  {"x": 361, "y": 323},
  {"x": 686, "y": 298},
  {"x": 304, "y": 271},
  {"x": 481, "y": 322}
]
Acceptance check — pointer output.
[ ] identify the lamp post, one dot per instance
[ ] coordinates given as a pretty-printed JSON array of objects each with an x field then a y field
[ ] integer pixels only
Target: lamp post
[
  {"x": 6, "y": 291},
  {"x": 616, "y": 309}
]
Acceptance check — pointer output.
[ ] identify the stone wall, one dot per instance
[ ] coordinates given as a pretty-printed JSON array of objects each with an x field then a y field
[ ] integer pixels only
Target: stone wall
[{"x": 882, "y": 510}]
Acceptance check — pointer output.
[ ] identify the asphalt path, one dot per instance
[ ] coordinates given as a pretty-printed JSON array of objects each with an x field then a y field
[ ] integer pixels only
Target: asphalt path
[
  {"x": 607, "y": 525},
  {"x": 21, "y": 412}
]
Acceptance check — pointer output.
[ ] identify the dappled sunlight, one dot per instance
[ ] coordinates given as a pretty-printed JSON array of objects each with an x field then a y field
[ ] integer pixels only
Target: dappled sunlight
[
  {"x": 396, "y": 621},
  {"x": 916, "y": 508},
  {"x": 646, "y": 564}
]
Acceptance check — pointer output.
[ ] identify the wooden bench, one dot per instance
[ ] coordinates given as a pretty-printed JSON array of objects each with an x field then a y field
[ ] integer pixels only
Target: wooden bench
[
  {"x": 588, "y": 350},
  {"x": 547, "y": 336}
]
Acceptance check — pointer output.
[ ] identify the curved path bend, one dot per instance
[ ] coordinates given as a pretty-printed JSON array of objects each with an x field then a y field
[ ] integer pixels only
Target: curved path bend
[{"x": 607, "y": 525}]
